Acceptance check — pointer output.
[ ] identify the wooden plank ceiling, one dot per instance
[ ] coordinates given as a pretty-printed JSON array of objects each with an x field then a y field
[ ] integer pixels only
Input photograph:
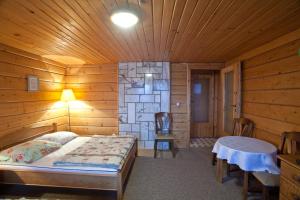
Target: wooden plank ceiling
[{"x": 171, "y": 30}]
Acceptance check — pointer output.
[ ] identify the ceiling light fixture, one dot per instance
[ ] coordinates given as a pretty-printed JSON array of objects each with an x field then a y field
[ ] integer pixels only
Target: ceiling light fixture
[{"x": 124, "y": 18}]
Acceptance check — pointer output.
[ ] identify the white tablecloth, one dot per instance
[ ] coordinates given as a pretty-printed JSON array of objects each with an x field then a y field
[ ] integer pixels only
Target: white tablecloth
[{"x": 249, "y": 154}]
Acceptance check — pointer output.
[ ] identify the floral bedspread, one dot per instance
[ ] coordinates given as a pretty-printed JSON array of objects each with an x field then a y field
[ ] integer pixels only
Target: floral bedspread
[{"x": 99, "y": 151}]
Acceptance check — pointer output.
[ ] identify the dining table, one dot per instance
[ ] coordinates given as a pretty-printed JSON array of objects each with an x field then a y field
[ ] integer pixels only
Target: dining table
[{"x": 249, "y": 154}]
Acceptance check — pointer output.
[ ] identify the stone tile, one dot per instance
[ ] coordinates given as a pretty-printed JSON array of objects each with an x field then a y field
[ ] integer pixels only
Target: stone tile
[
  {"x": 137, "y": 82},
  {"x": 135, "y": 91},
  {"x": 123, "y": 72},
  {"x": 147, "y": 98},
  {"x": 145, "y": 117},
  {"x": 136, "y": 127},
  {"x": 135, "y": 134},
  {"x": 148, "y": 84},
  {"x": 143, "y": 70},
  {"x": 131, "y": 113},
  {"x": 123, "y": 79},
  {"x": 149, "y": 144},
  {"x": 151, "y": 135},
  {"x": 144, "y": 131},
  {"x": 139, "y": 107},
  {"x": 132, "y": 98},
  {"x": 151, "y": 107},
  {"x": 157, "y": 76},
  {"x": 151, "y": 126},
  {"x": 166, "y": 70},
  {"x": 157, "y": 70},
  {"x": 132, "y": 69},
  {"x": 159, "y": 64},
  {"x": 123, "y": 65},
  {"x": 163, "y": 146},
  {"x": 123, "y": 118},
  {"x": 140, "y": 75},
  {"x": 125, "y": 127},
  {"x": 161, "y": 85},
  {"x": 122, "y": 133},
  {"x": 157, "y": 98},
  {"x": 146, "y": 64},
  {"x": 165, "y": 101},
  {"x": 122, "y": 109},
  {"x": 121, "y": 95},
  {"x": 127, "y": 86},
  {"x": 152, "y": 64}
]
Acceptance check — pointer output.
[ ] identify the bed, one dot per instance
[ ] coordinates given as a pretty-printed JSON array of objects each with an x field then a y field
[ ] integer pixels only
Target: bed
[{"x": 42, "y": 173}]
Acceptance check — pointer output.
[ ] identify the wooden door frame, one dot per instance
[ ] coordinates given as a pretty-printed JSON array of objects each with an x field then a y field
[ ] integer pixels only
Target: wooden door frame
[
  {"x": 202, "y": 66},
  {"x": 212, "y": 94},
  {"x": 236, "y": 67}
]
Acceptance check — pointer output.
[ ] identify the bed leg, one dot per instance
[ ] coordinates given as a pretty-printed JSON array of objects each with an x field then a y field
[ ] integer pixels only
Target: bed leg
[{"x": 120, "y": 189}]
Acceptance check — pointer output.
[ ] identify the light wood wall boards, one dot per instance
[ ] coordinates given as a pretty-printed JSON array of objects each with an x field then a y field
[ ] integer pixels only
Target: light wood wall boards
[
  {"x": 271, "y": 87},
  {"x": 169, "y": 30},
  {"x": 96, "y": 88},
  {"x": 19, "y": 108},
  {"x": 179, "y": 94}
]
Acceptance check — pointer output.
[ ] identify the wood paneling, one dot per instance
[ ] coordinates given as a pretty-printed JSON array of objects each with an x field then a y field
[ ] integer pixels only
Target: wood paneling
[
  {"x": 179, "y": 94},
  {"x": 96, "y": 89},
  {"x": 20, "y": 108},
  {"x": 271, "y": 87},
  {"x": 171, "y": 30}
]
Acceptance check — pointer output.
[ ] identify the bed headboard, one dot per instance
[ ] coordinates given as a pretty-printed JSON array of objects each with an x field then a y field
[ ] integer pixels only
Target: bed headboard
[{"x": 25, "y": 134}]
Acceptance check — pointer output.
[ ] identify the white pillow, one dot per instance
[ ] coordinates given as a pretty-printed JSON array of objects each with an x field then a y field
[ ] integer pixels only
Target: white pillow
[{"x": 61, "y": 137}]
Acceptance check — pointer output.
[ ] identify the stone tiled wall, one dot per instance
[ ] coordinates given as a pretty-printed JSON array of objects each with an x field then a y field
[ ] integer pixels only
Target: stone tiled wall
[{"x": 144, "y": 89}]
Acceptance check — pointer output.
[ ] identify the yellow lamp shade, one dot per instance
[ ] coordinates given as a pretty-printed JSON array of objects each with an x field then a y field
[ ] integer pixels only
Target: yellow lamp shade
[{"x": 68, "y": 95}]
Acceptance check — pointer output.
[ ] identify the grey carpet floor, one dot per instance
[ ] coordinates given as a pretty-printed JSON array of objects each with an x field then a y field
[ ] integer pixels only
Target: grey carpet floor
[{"x": 189, "y": 176}]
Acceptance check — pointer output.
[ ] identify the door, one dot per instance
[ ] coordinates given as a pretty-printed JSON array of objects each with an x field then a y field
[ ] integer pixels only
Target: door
[
  {"x": 202, "y": 102},
  {"x": 231, "y": 96}
]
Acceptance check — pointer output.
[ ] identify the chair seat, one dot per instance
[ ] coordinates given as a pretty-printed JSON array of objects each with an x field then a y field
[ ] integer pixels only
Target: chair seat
[
  {"x": 165, "y": 137},
  {"x": 267, "y": 179}
]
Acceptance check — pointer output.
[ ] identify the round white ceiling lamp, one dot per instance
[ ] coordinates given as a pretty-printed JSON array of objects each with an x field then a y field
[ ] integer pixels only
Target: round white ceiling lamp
[{"x": 125, "y": 18}]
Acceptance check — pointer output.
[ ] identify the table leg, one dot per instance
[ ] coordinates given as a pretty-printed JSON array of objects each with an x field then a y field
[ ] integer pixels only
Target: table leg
[
  {"x": 220, "y": 170},
  {"x": 245, "y": 185}
]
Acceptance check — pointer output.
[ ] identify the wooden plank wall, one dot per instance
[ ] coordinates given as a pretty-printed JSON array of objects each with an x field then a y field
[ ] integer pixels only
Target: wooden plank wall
[
  {"x": 179, "y": 94},
  {"x": 20, "y": 108},
  {"x": 271, "y": 87},
  {"x": 96, "y": 88}
]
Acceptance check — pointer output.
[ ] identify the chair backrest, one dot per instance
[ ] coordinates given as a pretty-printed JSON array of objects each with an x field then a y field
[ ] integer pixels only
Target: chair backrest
[
  {"x": 290, "y": 142},
  {"x": 243, "y": 127},
  {"x": 163, "y": 122}
]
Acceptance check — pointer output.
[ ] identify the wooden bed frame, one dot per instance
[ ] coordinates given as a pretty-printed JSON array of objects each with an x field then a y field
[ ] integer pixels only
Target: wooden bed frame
[{"x": 113, "y": 182}]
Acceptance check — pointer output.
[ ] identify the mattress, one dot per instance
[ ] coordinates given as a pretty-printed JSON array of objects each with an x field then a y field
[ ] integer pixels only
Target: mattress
[{"x": 45, "y": 164}]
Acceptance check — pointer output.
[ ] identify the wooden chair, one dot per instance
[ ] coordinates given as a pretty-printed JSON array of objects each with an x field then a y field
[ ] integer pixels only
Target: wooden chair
[
  {"x": 241, "y": 127},
  {"x": 163, "y": 132},
  {"x": 288, "y": 145}
]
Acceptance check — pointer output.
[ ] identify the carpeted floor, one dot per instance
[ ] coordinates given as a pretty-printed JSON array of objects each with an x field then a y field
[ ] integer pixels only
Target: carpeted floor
[{"x": 188, "y": 177}]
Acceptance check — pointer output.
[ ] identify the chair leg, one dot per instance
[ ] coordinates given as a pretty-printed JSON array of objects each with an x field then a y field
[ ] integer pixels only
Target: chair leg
[
  {"x": 228, "y": 169},
  {"x": 245, "y": 185},
  {"x": 214, "y": 159},
  {"x": 173, "y": 147},
  {"x": 265, "y": 193},
  {"x": 155, "y": 148}
]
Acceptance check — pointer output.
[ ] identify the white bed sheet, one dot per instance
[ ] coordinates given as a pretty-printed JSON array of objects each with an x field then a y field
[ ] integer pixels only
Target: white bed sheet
[{"x": 46, "y": 163}]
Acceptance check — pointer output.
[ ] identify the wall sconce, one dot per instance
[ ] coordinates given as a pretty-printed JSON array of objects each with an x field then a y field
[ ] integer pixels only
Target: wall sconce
[{"x": 68, "y": 96}]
